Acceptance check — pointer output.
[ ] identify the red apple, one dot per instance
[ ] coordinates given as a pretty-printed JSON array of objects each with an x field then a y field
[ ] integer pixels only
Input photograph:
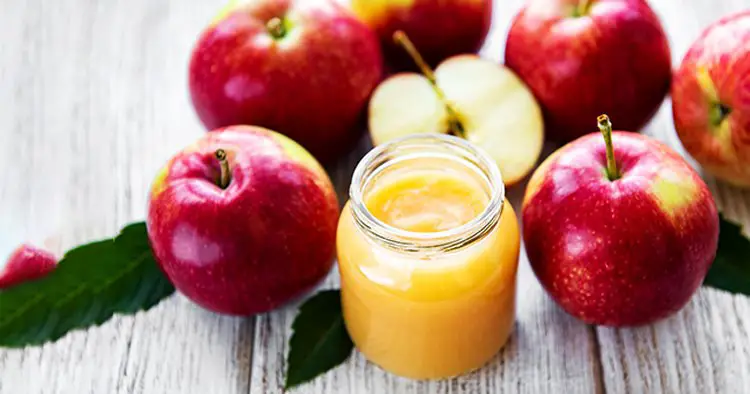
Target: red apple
[
  {"x": 302, "y": 67},
  {"x": 711, "y": 99},
  {"x": 25, "y": 264},
  {"x": 440, "y": 29},
  {"x": 243, "y": 221},
  {"x": 582, "y": 58},
  {"x": 625, "y": 249}
]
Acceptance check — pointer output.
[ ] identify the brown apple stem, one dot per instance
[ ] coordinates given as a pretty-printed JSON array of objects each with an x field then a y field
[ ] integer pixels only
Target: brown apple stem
[
  {"x": 224, "y": 178},
  {"x": 276, "y": 27},
  {"x": 454, "y": 122},
  {"x": 605, "y": 126}
]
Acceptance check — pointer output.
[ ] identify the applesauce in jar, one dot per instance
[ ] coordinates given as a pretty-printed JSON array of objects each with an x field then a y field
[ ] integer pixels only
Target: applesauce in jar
[{"x": 428, "y": 252}]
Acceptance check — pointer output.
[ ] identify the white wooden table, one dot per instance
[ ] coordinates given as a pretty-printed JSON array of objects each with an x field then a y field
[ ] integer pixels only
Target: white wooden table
[{"x": 93, "y": 100}]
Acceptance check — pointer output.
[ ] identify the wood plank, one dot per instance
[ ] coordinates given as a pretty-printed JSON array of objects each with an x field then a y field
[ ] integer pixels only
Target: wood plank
[
  {"x": 705, "y": 347},
  {"x": 549, "y": 351},
  {"x": 94, "y": 99}
]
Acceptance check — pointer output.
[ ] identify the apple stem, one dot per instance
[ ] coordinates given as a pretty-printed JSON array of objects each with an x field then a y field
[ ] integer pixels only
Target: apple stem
[
  {"x": 583, "y": 7},
  {"x": 454, "y": 123},
  {"x": 718, "y": 111},
  {"x": 605, "y": 126},
  {"x": 224, "y": 178},
  {"x": 276, "y": 27}
]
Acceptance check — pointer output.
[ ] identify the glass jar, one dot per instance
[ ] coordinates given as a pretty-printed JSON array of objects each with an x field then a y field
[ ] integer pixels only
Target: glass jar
[{"x": 428, "y": 292}]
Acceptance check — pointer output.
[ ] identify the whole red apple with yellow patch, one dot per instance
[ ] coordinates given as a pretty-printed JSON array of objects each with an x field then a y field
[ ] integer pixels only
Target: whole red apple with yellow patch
[
  {"x": 573, "y": 53},
  {"x": 243, "y": 220},
  {"x": 711, "y": 99},
  {"x": 620, "y": 233},
  {"x": 440, "y": 29},
  {"x": 304, "y": 68}
]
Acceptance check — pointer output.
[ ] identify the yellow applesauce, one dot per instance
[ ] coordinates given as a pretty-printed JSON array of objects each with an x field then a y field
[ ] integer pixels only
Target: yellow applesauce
[{"x": 428, "y": 251}]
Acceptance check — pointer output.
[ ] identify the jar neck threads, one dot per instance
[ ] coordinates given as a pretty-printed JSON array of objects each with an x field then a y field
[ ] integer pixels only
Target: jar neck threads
[{"x": 409, "y": 153}]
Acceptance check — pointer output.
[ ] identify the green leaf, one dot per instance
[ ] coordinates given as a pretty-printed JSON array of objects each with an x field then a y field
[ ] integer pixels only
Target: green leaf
[
  {"x": 731, "y": 268},
  {"x": 320, "y": 341},
  {"x": 91, "y": 283}
]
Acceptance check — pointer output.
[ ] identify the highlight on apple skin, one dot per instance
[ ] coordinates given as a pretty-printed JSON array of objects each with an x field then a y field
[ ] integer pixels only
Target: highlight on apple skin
[
  {"x": 305, "y": 68},
  {"x": 582, "y": 58},
  {"x": 711, "y": 99},
  {"x": 243, "y": 221},
  {"x": 620, "y": 251},
  {"x": 440, "y": 29}
]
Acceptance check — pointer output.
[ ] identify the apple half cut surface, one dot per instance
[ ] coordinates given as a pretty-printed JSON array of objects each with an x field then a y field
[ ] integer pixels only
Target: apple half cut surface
[{"x": 471, "y": 97}]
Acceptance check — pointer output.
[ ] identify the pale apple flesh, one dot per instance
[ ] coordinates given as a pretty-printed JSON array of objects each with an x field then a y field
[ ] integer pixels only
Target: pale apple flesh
[
  {"x": 405, "y": 104},
  {"x": 619, "y": 252},
  {"x": 710, "y": 103},
  {"x": 495, "y": 108}
]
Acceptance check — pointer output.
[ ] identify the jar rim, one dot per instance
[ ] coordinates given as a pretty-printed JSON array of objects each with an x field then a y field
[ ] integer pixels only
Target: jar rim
[{"x": 444, "y": 240}]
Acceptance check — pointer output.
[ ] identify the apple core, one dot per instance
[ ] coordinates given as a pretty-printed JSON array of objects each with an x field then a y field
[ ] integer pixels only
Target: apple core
[{"x": 454, "y": 120}]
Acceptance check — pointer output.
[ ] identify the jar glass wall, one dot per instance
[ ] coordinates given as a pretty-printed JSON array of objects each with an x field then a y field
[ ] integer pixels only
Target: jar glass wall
[{"x": 428, "y": 252}]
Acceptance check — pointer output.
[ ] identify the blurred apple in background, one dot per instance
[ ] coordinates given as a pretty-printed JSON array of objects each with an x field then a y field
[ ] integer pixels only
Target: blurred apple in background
[
  {"x": 26, "y": 263},
  {"x": 619, "y": 246},
  {"x": 439, "y": 29},
  {"x": 467, "y": 96},
  {"x": 243, "y": 221},
  {"x": 582, "y": 58},
  {"x": 305, "y": 68},
  {"x": 711, "y": 99}
]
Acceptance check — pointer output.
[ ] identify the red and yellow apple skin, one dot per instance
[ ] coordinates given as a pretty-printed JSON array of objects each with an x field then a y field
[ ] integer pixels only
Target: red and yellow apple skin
[
  {"x": 438, "y": 29},
  {"x": 311, "y": 84},
  {"x": 26, "y": 263},
  {"x": 711, "y": 99},
  {"x": 613, "y": 59},
  {"x": 624, "y": 252},
  {"x": 265, "y": 239}
]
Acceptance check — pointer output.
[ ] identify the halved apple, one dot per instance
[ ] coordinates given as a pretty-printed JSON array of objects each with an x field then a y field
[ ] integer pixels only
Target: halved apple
[{"x": 467, "y": 96}]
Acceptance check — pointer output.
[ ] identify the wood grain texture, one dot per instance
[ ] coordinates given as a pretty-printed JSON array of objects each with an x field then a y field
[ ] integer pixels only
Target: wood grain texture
[{"x": 93, "y": 99}]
